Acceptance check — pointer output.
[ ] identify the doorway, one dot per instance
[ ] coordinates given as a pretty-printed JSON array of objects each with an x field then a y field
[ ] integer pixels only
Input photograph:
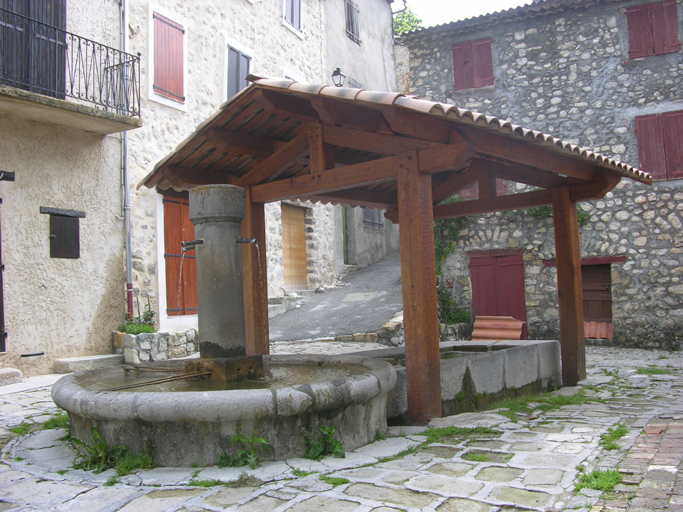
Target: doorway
[{"x": 294, "y": 247}]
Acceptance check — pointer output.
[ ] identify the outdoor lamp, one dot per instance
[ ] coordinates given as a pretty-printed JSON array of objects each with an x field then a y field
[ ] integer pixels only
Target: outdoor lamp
[{"x": 338, "y": 77}]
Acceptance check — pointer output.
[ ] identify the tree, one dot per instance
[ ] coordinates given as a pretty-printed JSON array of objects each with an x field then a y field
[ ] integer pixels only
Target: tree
[{"x": 405, "y": 21}]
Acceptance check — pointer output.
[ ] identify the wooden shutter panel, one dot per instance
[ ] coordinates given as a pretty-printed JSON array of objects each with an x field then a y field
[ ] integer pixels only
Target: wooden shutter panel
[
  {"x": 482, "y": 62},
  {"x": 651, "y": 145},
  {"x": 64, "y": 237},
  {"x": 463, "y": 77},
  {"x": 639, "y": 21},
  {"x": 665, "y": 28},
  {"x": 168, "y": 58},
  {"x": 672, "y": 131}
]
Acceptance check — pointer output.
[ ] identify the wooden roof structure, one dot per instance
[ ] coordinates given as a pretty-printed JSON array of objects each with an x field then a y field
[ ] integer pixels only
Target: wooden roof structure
[{"x": 279, "y": 139}]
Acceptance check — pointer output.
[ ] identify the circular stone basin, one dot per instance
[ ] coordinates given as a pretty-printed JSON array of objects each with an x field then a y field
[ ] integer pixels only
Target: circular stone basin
[{"x": 181, "y": 428}]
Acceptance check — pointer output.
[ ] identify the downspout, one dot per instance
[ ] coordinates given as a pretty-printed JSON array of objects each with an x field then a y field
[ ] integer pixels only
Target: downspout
[{"x": 126, "y": 177}]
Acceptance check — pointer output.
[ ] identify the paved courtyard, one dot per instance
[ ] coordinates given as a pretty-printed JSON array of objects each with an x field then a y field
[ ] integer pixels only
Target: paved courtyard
[{"x": 531, "y": 464}]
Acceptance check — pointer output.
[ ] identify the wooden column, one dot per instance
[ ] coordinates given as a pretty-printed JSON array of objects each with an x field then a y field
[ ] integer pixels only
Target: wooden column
[
  {"x": 418, "y": 277},
  {"x": 569, "y": 287},
  {"x": 254, "y": 278}
]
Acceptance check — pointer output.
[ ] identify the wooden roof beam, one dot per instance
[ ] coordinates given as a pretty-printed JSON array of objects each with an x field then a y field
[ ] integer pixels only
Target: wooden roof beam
[
  {"x": 458, "y": 181},
  {"x": 454, "y": 155},
  {"x": 351, "y": 176},
  {"x": 320, "y": 154},
  {"x": 371, "y": 141},
  {"x": 345, "y": 114},
  {"x": 226, "y": 141},
  {"x": 532, "y": 176},
  {"x": 358, "y": 198},
  {"x": 183, "y": 178},
  {"x": 286, "y": 105},
  {"x": 418, "y": 126},
  {"x": 494, "y": 204}
]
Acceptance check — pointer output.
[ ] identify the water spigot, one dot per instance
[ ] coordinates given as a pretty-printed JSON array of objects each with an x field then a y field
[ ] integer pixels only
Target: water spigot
[
  {"x": 246, "y": 240},
  {"x": 190, "y": 244}
]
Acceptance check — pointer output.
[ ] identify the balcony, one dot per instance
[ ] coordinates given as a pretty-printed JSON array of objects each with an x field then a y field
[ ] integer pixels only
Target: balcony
[{"x": 52, "y": 76}]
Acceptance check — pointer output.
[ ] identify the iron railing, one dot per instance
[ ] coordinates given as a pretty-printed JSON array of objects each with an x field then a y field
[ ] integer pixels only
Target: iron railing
[{"x": 50, "y": 61}]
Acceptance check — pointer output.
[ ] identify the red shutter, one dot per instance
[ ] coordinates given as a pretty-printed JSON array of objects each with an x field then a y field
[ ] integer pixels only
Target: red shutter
[
  {"x": 460, "y": 67},
  {"x": 500, "y": 187},
  {"x": 667, "y": 33},
  {"x": 168, "y": 58},
  {"x": 482, "y": 62},
  {"x": 672, "y": 130},
  {"x": 651, "y": 145},
  {"x": 639, "y": 21},
  {"x": 181, "y": 290}
]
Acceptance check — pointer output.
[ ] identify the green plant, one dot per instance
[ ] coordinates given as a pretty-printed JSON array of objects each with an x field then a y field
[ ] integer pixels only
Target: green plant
[
  {"x": 21, "y": 429},
  {"x": 653, "y": 371},
  {"x": 18, "y": 459},
  {"x": 111, "y": 481},
  {"x": 599, "y": 480},
  {"x": 475, "y": 457},
  {"x": 539, "y": 212},
  {"x": 58, "y": 421},
  {"x": 324, "y": 445},
  {"x": 449, "y": 313},
  {"x": 609, "y": 438},
  {"x": 62, "y": 471},
  {"x": 298, "y": 472},
  {"x": 437, "y": 433},
  {"x": 612, "y": 373},
  {"x": 207, "y": 483},
  {"x": 406, "y": 21},
  {"x": 379, "y": 436},
  {"x": 95, "y": 455},
  {"x": 334, "y": 481},
  {"x": 139, "y": 324},
  {"x": 246, "y": 451},
  {"x": 125, "y": 461},
  {"x": 662, "y": 357},
  {"x": 445, "y": 234},
  {"x": 545, "y": 402}
]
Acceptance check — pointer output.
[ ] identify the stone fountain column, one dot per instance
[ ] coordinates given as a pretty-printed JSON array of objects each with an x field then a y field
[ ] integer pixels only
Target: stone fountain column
[{"x": 217, "y": 212}]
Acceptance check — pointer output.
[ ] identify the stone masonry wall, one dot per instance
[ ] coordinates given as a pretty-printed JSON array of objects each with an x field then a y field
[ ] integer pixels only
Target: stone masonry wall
[{"x": 569, "y": 74}]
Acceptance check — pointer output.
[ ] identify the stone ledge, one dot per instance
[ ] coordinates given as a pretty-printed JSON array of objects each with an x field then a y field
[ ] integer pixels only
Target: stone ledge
[
  {"x": 78, "y": 364},
  {"x": 10, "y": 376}
]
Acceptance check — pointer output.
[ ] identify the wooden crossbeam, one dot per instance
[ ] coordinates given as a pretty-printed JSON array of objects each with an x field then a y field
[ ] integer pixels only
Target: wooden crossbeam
[
  {"x": 321, "y": 154},
  {"x": 227, "y": 141},
  {"x": 287, "y": 105},
  {"x": 418, "y": 126},
  {"x": 352, "y": 176},
  {"x": 345, "y": 114},
  {"x": 459, "y": 181},
  {"x": 270, "y": 168},
  {"x": 371, "y": 141},
  {"x": 186, "y": 178},
  {"x": 604, "y": 183},
  {"x": 493, "y": 204},
  {"x": 357, "y": 198},
  {"x": 531, "y": 176}
]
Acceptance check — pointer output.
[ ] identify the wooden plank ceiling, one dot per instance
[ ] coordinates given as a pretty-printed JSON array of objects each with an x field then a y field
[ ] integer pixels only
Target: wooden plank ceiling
[{"x": 287, "y": 140}]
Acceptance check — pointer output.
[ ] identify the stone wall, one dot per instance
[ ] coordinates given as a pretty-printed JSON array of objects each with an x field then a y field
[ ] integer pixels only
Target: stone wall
[
  {"x": 155, "y": 346},
  {"x": 569, "y": 74}
]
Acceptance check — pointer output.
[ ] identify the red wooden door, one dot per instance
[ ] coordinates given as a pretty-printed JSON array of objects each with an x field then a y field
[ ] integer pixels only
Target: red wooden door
[
  {"x": 597, "y": 301},
  {"x": 181, "y": 290},
  {"x": 498, "y": 286}
]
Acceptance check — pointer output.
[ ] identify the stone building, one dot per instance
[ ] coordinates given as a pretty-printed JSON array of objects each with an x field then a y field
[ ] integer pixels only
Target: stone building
[
  {"x": 197, "y": 55},
  {"x": 606, "y": 75},
  {"x": 67, "y": 93}
]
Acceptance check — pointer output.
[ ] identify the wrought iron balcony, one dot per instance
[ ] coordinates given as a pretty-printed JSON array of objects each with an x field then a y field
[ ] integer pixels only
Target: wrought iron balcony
[{"x": 50, "y": 61}]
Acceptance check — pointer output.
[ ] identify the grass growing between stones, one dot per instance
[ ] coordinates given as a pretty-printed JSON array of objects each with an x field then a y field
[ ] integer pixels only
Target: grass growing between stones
[
  {"x": 298, "y": 472},
  {"x": 650, "y": 370},
  {"x": 609, "y": 438},
  {"x": 334, "y": 482},
  {"x": 57, "y": 421},
  {"x": 22, "y": 429},
  {"x": 475, "y": 457},
  {"x": 435, "y": 434},
  {"x": 95, "y": 455},
  {"x": 546, "y": 402},
  {"x": 604, "y": 481}
]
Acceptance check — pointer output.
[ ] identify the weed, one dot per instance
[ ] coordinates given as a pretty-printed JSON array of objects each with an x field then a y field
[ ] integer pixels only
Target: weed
[
  {"x": 609, "y": 438},
  {"x": 334, "y": 481},
  {"x": 246, "y": 453},
  {"x": 207, "y": 483},
  {"x": 580, "y": 468},
  {"x": 435, "y": 434},
  {"x": 18, "y": 459},
  {"x": 545, "y": 403},
  {"x": 379, "y": 436},
  {"x": 21, "y": 429},
  {"x": 111, "y": 481},
  {"x": 62, "y": 471},
  {"x": 298, "y": 472},
  {"x": 612, "y": 373},
  {"x": 139, "y": 324},
  {"x": 599, "y": 480},
  {"x": 95, "y": 455},
  {"x": 592, "y": 387},
  {"x": 475, "y": 457},
  {"x": 653, "y": 371},
  {"x": 325, "y": 445},
  {"x": 663, "y": 357},
  {"x": 408, "y": 451},
  {"x": 125, "y": 461},
  {"x": 58, "y": 421}
]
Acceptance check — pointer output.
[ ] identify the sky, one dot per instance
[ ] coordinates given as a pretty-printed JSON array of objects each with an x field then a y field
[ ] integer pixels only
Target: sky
[{"x": 438, "y": 12}]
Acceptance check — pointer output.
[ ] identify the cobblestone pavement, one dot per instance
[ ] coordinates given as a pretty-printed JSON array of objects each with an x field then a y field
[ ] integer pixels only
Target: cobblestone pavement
[{"x": 532, "y": 464}]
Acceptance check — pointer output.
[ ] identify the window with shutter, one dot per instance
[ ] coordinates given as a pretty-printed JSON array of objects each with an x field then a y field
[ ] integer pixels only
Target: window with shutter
[
  {"x": 64, "y": 232},
  {"x": 659, "y": 147},
  {"x": 239, "y": 64},
  {"x": 472, "y": 64},
  {"x": 372, "y": 218},
  {"x": 352, "y": 21},
  {"x": 293, "y": 13},
  {"x": 652, "y": 29},
  {"x": 168, "y": 55}
]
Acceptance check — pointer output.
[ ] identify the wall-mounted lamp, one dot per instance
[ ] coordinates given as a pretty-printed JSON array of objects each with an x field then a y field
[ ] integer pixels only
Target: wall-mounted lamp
[{"x": 338, "y": 77}]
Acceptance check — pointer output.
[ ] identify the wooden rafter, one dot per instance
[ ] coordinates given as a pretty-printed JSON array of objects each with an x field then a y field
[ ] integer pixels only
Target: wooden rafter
[
  {"x": 457, "y": 182},
  {"x": 371, "y": 141},
  {"x": 358, "y": 198},
  {"x": 270, "y": 168},
  {"x": 228, "y": 141},
  {"x": 184, "y": 179}
]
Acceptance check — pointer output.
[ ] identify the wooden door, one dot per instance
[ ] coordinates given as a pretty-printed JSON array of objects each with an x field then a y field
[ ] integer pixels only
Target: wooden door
[
  {"x": 181, "y": 289},
  {"x": 294, "y": 247},
  {"x": 597, "y": 301},
  {"x": 498, "y": 286}
]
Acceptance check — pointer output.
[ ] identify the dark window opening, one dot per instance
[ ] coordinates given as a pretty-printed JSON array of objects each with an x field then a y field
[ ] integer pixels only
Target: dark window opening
[
  {"x": 293, "y": 13},
  {"x": 372, "y": 218},
  {"x": 659, "y": 148},
  {"x": 238, "y": 70},
  {"x": 352, "y": 21},
  {"x": 472, "y": 64},
  {"x": 64, "y": 232},
  {"x": 168, "y": 58},
  {"x": 652, "y": 29}
]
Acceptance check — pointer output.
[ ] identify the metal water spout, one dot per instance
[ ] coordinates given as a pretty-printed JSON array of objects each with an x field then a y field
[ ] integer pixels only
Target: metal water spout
[{"x": 246, "y": 241}]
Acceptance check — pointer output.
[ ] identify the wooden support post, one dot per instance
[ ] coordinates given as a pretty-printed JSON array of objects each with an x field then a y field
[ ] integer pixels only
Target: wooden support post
[
  {"x": 254, "y": 278},
  {"x": 569, "y": 287},
  {"x": 418, "y": 276}
]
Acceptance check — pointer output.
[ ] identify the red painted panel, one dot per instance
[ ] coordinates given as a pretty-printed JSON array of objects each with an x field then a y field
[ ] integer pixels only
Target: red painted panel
[
  {"x": 482, "y": 62},
  {"x": 672, "y": 130},
  {"x": 651, "y": 145},
  {"x": 168, "y": 58},
  {"x": 597, "y": 293},
  {"x": 639, "y": 21},
  {"x": 462, "y": 65},
  {"x": 181, "y": 291},
  {"x": 665, "y": 27}
]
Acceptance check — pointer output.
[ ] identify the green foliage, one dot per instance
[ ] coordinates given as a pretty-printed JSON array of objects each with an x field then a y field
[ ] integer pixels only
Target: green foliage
[
  {"x": 584, "y": 217},
  {"x": 437, "y": 433},
  {"x": 111, "y": 481},
  {"x": 125, "y": 461},
  {"x": 95, "y": 455},
  {"x": 57, "y": 421},
  {"x": 62, "y": 471},
  {"x": 22, "y": 429},
  {"x": 246, "y": 451},
  {"x": 298, "y": 472},
  {"x": 609, "y": 438},
  {"x": 599, "y": 480},
  {"x": 445, "y": 233},
  {"x": 653, "y": 371},
  {"x": 545, "y": 402},
  {"x": 406, "y": 21},
  {"x": 334, "y": 481},
  {"x": 475, "y": 457},
  {"x": 540, "y": 212},
  {"x": 207, "y": 483},
  {"x": 449, "y": 313},
  {"x": 379, "y": 436},
  {"x": 139, "y": 324},
  {"x": 325, "y": 445}
]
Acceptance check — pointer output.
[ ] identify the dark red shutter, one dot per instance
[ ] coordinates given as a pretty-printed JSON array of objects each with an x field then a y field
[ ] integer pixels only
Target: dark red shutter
[
  {"x": 459, "y": 51},
  {"x": 669, "y": 28},
  {"x": 168, "y": 58},
  {"x": 639, "y": 21},
  {"x": 482, "y": 62},
  {"x": 672, "y": 131},
  {"x": 651, "y": 145},
  {"x": 181, "y": 290}
]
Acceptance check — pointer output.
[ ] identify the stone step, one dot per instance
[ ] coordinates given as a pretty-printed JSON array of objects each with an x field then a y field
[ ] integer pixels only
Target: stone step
[
  {"x": 10, "y": 376},
  {"x": 77, "y": 364}
]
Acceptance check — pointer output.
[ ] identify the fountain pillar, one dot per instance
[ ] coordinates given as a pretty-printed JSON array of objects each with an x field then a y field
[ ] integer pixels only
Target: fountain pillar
[{"x": 217, "y": 212}]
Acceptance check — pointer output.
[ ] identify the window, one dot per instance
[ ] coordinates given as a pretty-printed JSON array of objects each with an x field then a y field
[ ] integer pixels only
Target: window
[
  {"x": 372, "y": 218},
  {"x": 238, "y": 70},
  {"x": 352, "y": 24},
  {"x": 659, "y": 148},
  {"x": 64, "y": 232},
  {"x": 168, "y": 55},
  {"x": 472, "y": 64},
  {"x": 293, "y": 13},
  {"x": 652, "y": 29}
]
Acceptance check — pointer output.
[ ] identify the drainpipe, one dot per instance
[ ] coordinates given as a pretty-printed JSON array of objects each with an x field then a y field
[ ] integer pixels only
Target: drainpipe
[{"x": 126, "y": 178}]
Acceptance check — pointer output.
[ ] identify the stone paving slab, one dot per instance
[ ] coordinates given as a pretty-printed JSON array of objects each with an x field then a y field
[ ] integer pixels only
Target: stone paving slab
[{"x": 531, "y": 464}]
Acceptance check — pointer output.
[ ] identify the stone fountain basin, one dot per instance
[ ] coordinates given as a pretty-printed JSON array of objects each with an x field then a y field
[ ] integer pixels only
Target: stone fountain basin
[{"x": 194, "y": 427}]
